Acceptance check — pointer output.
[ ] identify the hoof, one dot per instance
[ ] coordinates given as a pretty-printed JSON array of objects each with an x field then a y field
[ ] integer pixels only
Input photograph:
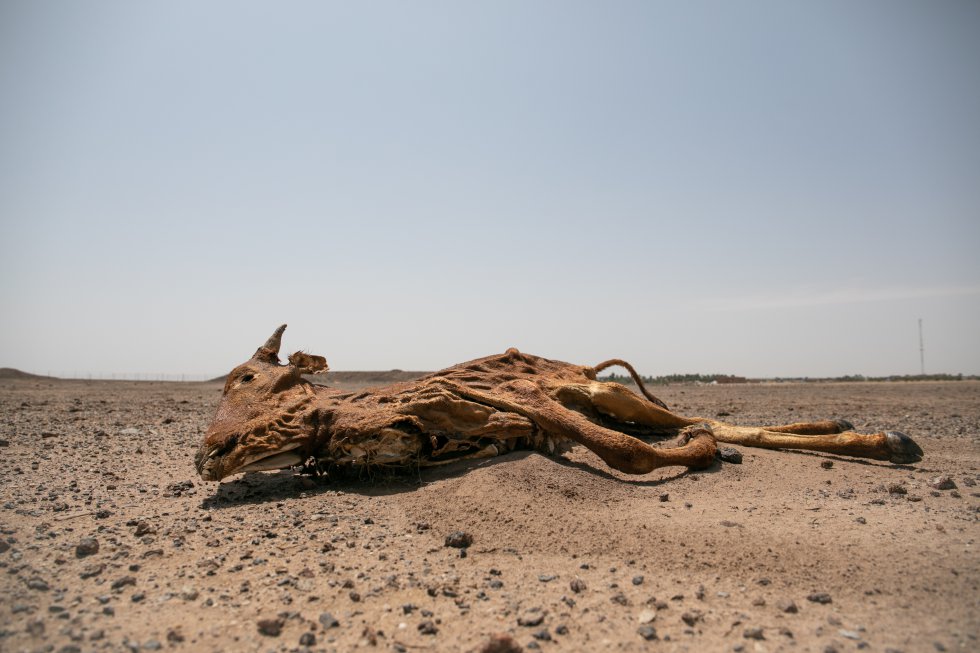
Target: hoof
[
  {"x": 902, "y": 449},
  {"x": 843, "y": 425}
]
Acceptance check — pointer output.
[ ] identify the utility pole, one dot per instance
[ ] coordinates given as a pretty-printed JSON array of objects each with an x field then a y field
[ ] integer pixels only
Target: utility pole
[{"x": 922, "y": 351}]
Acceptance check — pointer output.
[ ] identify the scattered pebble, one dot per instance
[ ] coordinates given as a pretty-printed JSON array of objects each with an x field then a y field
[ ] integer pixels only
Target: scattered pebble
[
  {"x": 270, "y": 627},
  {"x": 578, "y": 585},
  {"x": 86, "y": 546},
  {"x": 944, "y": 482},
  {"x": 459, "y": 540},
  {"x": 729, "y": 455},
  {"x": 530, "y": 618},
  {"x": 753, "y": 633},
  {"x": 820, "y": 597},
  {"x": 327, "y": 621},
  {"x": 647, "y": 632},
  {"x": 428, "y": 627},
  {"x": 787, "y": 606}
]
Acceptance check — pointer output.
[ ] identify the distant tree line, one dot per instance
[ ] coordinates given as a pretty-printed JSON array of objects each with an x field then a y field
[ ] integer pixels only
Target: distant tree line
[{"x": 669, "y": 379}]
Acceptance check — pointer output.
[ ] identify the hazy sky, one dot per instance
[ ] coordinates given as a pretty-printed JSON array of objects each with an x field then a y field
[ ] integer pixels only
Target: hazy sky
[{"x": 757, "y": 188}]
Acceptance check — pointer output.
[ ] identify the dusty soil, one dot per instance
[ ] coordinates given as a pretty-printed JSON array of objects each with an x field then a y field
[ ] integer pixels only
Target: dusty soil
[{"x": 108, "y": 541}]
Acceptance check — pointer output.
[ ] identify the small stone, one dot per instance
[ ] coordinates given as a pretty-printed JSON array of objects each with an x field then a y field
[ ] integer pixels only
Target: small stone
[
  {"x": 144, "y": 528},
  {"x": 561, "y": 629},
  {"x": 664, "y": 498},
  {"x": 897, "y": 488},
  {"x": 729, "y": 455},
  {"x": 692, "y": 617},
  {"x": 188, "y": 593},
  {"x": 849, "y": 634},
  {"x": 38, "y": 584},
  {"x": 542, "y": 635},
  {"x": 546, "y": 578},
  {"x": 530, "y": 618},
  {"x": 174, "y": 636},
  {"x": 307, "y": 639},
  {"x": 459, "y": 540},
  {"x": 578, "y": 585},
  {"x": 944, "y": 482},
  {"x": 500, "y": 643},
  {"x": 827, "y": 464},
  {"x": 92, "y": 569},
  {"x": 647, "y": 632},
  {"x": 787, "y": 606},
  {"x": 428, "y": 627},
  {"x": 123, "y": 582},
  {"x": 753, "y": 633},
  {"x": 152, "y": 645},
  {"x": 86, "y": 546},
  {"x": 861, "y": 520},
  {"x": 820, "y": 597},
  {"x": 647, "y": 616},
  {"x": 35, "y": 627},
  {"x": 270, "y": 627},
  {"x": 637, "y": 580},
  {"x": 327, "y": 621}
]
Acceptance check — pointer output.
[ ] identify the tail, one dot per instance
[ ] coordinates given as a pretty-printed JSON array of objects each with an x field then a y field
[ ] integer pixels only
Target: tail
[{"x": 636, "y": 378}]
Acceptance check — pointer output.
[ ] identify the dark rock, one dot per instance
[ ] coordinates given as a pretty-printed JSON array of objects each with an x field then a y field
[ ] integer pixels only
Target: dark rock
[
  {"x": 637, "y": 580},
  {"x": 692, "y": 617},
  {"x": 500, "y": 643},
  {"x": 327, "y": 621},
  {"x": 547, "y": 578},
  {"x": 530, "y": 618},
  {"x": 123, "y": 582},
  {"x": 270, "y": 627},
  {"x": 144, "y": 528},
  {"x": 561, "y": 629},
  {"x": 307, "y": 639},
  {"x": 827, "y": 464},
  {"x": 753, "y": 633},
  {"x": 647, "y": 632},
  {"x": 86, "y": 546},
  {"x": 38, "y": 584},
  {"x": 664, "y": 498},
  {"x": 428, "y": 627},
  {"x": 459, "y": 540},
  {"x": 578, "y": 585},
  {"x": 174, "y": 636},
  {"x": 820, "y": 597},
  {"x": 897, "y": 488},
  {"x": 787, "y": 606},
  {"x": 542, "y": 635},
  {"x": 729, "y": 455}
]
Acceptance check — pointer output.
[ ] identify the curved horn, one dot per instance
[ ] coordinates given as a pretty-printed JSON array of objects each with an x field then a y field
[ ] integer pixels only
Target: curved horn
[{"x": 270, "y": 350}]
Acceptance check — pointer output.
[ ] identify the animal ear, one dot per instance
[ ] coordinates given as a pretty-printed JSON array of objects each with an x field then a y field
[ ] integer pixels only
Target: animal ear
[
  {"x": 269, "y": 352},
  {"x": 308, "y": 363}
]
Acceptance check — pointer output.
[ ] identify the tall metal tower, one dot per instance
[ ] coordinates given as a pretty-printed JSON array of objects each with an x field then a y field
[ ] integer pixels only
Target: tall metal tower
[{"x": 922, "y": 351}]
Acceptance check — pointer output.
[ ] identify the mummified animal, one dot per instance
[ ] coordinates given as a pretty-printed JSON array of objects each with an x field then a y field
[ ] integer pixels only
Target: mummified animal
[{"x": 270, "y": 417}]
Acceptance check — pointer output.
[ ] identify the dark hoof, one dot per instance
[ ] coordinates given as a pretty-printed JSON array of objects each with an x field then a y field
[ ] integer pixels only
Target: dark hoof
[
  {"x": 901, "y": 448},
  {"x": 843, "y": 425}
]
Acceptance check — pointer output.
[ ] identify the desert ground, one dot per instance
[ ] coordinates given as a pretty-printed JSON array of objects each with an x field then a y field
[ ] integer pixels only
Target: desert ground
[{"x": 109, "y": 540}]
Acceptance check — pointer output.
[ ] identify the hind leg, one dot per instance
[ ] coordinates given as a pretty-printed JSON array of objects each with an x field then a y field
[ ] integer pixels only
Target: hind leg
[
  {"x": 892, "y": 446},
  {"x": 619, "y": 451}
]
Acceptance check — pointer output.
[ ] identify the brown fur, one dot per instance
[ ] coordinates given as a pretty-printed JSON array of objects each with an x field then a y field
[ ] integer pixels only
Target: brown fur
[{"x": 270, "y": 417}]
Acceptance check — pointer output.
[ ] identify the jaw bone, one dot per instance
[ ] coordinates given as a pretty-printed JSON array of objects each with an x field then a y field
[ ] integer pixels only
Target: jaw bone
[{"x": 271, "y": 461}]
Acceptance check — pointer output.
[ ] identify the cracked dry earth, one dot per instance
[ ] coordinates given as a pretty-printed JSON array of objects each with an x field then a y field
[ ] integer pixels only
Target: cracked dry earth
[{"x": 108, "y": 540}]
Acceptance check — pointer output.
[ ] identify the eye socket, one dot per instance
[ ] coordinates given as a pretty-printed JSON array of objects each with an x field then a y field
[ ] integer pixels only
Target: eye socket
[{"x": 246, "y": 378}]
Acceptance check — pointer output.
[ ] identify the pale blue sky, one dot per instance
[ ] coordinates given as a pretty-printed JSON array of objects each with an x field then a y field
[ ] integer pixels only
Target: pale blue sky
[{"x": 757, "y": 188}]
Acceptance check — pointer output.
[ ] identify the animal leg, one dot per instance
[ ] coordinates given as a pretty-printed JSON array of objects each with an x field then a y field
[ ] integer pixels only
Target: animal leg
[
  {"x": 892, "y": 446},
  {"x": 621, "y": 404},
  {"x": 824, "y": 427},
  {"x": 617, "y": 450}
]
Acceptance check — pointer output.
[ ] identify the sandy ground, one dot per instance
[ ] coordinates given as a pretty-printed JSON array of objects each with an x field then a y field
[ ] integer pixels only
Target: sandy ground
[{"x": 110, "y": 542}]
